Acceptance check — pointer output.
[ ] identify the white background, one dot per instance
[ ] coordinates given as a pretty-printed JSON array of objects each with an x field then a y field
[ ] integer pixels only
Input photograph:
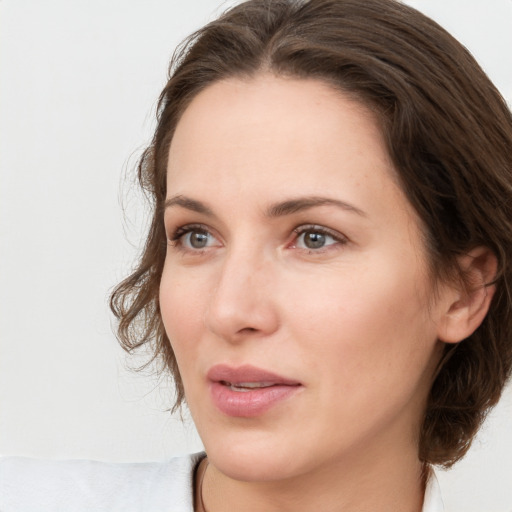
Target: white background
[{"x": 78, "y": 82}]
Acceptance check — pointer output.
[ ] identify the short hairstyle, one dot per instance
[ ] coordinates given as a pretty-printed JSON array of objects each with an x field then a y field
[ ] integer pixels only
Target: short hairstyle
[{"x": 448, "y": 132}]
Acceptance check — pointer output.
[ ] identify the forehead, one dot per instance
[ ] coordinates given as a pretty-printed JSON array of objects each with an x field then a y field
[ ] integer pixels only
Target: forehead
[{"x": 269, "y": 123}]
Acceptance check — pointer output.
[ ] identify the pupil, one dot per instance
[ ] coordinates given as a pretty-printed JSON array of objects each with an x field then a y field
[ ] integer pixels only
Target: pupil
[
  {"x": 198, "y": 239},
  {"x": 314, "y": 240}
]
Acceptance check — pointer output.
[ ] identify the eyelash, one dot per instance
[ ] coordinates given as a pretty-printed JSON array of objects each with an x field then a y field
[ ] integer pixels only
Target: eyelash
[{"x": 176, "y": 238}]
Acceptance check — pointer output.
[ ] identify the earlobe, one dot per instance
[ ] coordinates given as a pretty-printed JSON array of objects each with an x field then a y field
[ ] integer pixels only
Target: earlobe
[{"x": 469, "y": 302}]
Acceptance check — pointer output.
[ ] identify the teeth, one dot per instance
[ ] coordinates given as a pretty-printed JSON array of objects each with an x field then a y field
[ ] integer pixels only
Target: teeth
[
  {"x": 254, "y": 384},
  {"x": 247, "y": 386}
]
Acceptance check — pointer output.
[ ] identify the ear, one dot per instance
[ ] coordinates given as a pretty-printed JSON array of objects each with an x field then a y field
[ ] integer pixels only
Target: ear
[{"x": 467, "y": 304}]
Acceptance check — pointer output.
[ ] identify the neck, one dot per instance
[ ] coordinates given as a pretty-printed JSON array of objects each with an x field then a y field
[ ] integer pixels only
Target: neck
[{"x": 388, "y": 482}]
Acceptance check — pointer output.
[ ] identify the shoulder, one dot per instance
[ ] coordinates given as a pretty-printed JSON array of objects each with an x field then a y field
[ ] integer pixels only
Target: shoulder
[{"x": 82, "y": 485}]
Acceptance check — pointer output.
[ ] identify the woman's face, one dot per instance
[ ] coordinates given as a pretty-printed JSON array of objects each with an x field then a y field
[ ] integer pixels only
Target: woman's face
[{"x": 295, "y": 290}]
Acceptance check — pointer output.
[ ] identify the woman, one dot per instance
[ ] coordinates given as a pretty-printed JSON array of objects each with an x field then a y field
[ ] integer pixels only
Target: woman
[{"x": 326, "y": 273}]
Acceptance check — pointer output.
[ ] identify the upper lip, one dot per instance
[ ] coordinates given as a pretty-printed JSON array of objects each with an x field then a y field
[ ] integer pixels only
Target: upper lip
[{"x": 247, "y": 373}]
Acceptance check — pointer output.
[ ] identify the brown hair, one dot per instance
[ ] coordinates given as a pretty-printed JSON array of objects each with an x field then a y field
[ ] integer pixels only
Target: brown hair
[{"x": 448, "y": 131}]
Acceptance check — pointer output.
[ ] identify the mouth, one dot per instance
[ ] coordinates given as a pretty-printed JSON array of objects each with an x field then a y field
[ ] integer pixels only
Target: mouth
[
  {"x": 244, "y": 387},
  {"x": 248, "y": 391},
  {"x": 248, "y": 377}
]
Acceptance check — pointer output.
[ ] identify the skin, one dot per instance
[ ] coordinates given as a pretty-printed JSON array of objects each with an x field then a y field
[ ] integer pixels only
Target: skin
[{"x": 355, "y": 320}]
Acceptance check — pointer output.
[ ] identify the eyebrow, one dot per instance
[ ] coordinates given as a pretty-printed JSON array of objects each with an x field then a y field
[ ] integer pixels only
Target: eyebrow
[
  {"x": 305, "y": 203},
  {"x": 280, "y": 209},
  {"x": 189, "y": 204}
]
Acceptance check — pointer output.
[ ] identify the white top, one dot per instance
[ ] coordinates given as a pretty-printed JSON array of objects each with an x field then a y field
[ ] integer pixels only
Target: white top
[{"x": 31, "y": 485}]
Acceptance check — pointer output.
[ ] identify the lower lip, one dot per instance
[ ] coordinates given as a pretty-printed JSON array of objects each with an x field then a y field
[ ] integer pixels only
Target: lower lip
[{"x": 248, "y": 404}]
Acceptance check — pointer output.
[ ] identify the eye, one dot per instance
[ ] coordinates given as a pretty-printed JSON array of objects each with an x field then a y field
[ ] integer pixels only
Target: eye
[
  {"x": 196, "y": 239},
  {"x": 315, "y": 237},
  {"x": 193, "y": 238}
]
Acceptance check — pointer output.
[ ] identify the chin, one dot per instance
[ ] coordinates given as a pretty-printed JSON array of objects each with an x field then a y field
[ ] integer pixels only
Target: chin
[
  {"x": 251, "y": 461},
  {"x": 257, "y": 469}
]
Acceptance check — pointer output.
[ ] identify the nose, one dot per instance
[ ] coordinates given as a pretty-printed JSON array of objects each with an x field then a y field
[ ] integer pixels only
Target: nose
[{"x": 243, "y": 302}]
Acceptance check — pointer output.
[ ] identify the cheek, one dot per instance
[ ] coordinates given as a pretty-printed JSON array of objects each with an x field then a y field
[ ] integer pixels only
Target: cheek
[
  {"x": 182, "y": 309},
  {"x": 370, "y": 329}
]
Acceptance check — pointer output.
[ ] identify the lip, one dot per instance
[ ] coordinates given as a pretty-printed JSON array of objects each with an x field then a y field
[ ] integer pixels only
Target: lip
[{"x": 248, "y": 401}]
